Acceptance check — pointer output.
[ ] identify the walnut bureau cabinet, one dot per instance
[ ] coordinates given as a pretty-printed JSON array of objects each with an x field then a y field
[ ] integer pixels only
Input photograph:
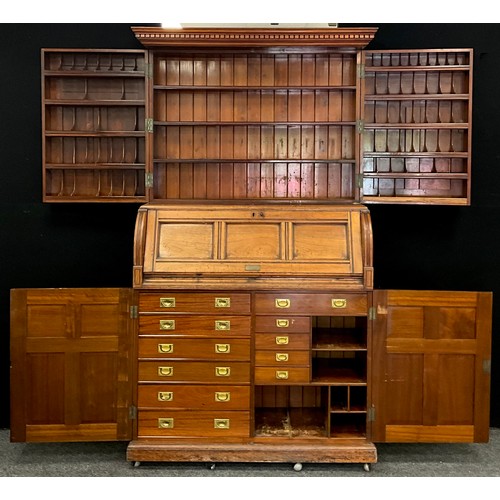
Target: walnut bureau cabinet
[{"x": 252, "y": 330}]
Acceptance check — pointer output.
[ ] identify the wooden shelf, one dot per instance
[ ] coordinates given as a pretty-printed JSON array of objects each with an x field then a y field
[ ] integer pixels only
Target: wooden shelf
[
  {"x": 337, "y": 340},
  {"x": 258, "y": 88},
  {"x": 416, "y": 175},
  {"x": 391, "y": 69},
  {"x": 253, "y": 123},
  {"x": 103, "y": 133},
  {"x": 416, "y": 126},
  {"x": 252, "y": 160},
  {"x": 90, "y": 102},
  {"x": 409, "y": 97}
]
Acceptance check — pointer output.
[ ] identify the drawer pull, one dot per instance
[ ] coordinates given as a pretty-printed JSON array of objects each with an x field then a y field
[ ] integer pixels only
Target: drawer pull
[
  {"x": 222, "y": 325},
  {"x": 339, "y": 303},
  {"x": 222, "y": 302},
  {"x": 165, "y": 348},
  {"x": 282, "y": 374},
  {"x": 167, "y": 324},
  {"x": 165, "y": 371},
  {"x": 221, "y": 423},
  {"x": 167, "y": 302},
  {"x": 282, "y": 303},
  {"x": 281, "y": 356},
  {"x": 165, "y": 396},
  {"x": 282, "y": 323},
  {"x": 282, "y": 340},
  {"x": 166, "y": 423},
  {"x": 222, "y": 348},
  {"x": 222, "y": 371},
  {"x": 223, "y": 397}
]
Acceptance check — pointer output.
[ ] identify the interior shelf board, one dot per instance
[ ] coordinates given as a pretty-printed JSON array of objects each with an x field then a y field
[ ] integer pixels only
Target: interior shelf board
[
  {"x": 259, "y": 88},
  {"x": 416, "y": 154},
  {"x": 94, "y": 102},
  {"x": 391, "y": 69},
  {"x": 426, "y": 200},
  {"x": 97, "y": 73},
  {"x": 95, "y": 166},
  {"x": 417, "y": 126},
  {"x": 252, "y": 160},
  {"x": 103, "y": 133},
  {"x": 253, "y": 123},
  {"x": 419, "y": 97},
  {"x": 415, "y": 175}
]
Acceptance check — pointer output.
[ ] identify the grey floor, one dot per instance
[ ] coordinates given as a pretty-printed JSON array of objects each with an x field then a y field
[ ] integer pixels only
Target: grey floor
[{"x": 109, "y": 460}]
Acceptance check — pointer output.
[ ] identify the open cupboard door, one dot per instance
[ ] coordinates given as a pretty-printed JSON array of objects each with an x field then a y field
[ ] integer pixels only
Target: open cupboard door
[
  {"x": 431, "y": 366},
  {"x": 71, "y": 364}
]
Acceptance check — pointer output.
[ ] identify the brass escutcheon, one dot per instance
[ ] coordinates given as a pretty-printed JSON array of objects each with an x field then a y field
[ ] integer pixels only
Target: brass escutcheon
[
  {"x": 165, "y": 371},
  {"x": 222, "y": 371},
  {"x": 282, "y": 323},
  {"x": 167, "y": 302},
  {"x": 222, "y": 325},
  {"x": 223, "y": 397},
  {"x": 221, "y": 423},
  {"x": 281, "y": 356},
  {"x": 282, "y": 340},
  {"x": 167, "y": 324},
  {"x": 166, "y": 423},
  {"x": 282, "y": 374},
  {"x": 339, "y": 303},
  {"x": 222, "y": 302},
  {"x": 282, "y": 303},
  {"x": 165, "y": 396},
  {"x": 222, "y": 348},
  {"x": 165, "y": 348}
]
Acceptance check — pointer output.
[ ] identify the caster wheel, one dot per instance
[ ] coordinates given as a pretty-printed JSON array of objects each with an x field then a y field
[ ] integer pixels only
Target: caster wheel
[
  {"x": 137, "y": 464},
  {"x": 297, "y": 467},
  {"x": 212, "y": 467},
  {"x": 366, "y": 467}
]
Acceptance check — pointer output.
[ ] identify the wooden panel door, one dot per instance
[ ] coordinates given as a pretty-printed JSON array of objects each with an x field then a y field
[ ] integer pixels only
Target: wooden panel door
[
  {"x": 430, "y": 368},
  {"x": 71, "y": 364}
]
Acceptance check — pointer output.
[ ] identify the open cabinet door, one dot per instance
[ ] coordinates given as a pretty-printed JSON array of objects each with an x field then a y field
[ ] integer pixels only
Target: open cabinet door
[
  {"x": 71, "y": 364},
  {"x": 431, "y": 366}
]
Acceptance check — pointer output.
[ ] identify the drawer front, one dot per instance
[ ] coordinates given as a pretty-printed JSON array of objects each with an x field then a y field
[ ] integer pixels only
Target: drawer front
[
  {"x": 278, "y": 341},
  {"x": 280, "y": 358},
  {"x": 168, "y": 371},
  {"x": 285, "y": 375},
  {"x": 214, "y": 424},
  {"x": 282, "y": 324},
  {"x": 196, "y": 397},
  {"x": 164, "y": 324},
  {"x": 223, "y": 349},
  {"x": 315, "y": 304},
  {"x": 211, "y": 303}
]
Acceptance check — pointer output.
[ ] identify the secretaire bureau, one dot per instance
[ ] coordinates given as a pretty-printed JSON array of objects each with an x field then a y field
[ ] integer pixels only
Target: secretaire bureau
[{"x": 252, "y": 330}]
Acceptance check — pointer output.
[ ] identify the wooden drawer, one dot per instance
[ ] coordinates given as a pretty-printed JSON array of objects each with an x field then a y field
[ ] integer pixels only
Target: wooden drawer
[
  {"x": 282, "y": 357},
  {"x": 282, "y": 324},
  {"x": 209, "y": 303},
  {"x": 286, "y": 375},
  {"x": 213, "y": 424},
  {"x": 223, "y": 349},
  {"x": 196, "y": 397},
  {"x": 274, "y": 341},
  {"x": 163, "y": 324},
  {"x": 314, "y": 304},
  {"x": 167, "y": 371}
]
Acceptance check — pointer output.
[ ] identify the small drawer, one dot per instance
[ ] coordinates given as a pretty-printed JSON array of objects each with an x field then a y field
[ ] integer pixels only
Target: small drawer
[
  {"x": 282, "y": 357},
  {"x": 284, "y": 323},
  {"x": 195, "y": 397},
  {"x": 165, "y": 324},
  {"x": 220, "y": 372},
  {"x": 314, "y": 304},
  {"x": 278, "y": 341},
  {"x": 286, "y": 375},
  {"x": 191, "y": 348},
  {"x": 211, "y": 303},
  {"x": 173, "y": 423}
]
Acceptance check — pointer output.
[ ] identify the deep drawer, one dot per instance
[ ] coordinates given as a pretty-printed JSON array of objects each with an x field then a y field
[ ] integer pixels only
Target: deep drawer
[
  {"x": 283, "y": 324},
  {"x": 286, "y": 375},
  {"x": 210, "y": 303},
  {"x": 194, "y": 371},
  {"x": 223, "y": 349},
  {"x": 163, "y": 324},
  {"x": 314, "y": 304},
  {"x": 196, "y": 397},
  {"x": 280, "y": 358},
  {"x": 274, "y": 341},
  {"x": 214, "y": 424}
]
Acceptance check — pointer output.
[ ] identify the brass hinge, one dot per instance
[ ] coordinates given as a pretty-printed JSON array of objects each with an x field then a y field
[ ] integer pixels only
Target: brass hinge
[
  {"x": 360, "y": 126},
  {"x": 372, "y": 313},
  {"x": 487, "y": 366},
  {"x": 149, "y": 179},
  {"x": 132, "y": 412},
  {"x": 360, "y": 71},
  {"x": 359, "y": 181},
  {"x": 148, "y": 125},
  {"x": 371, "y": 414},
  {"x": 133, "y": 312}
]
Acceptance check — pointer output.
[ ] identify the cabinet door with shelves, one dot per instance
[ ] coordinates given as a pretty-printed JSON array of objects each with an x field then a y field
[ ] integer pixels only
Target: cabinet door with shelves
[
  {"x": 93, "y": 121},
  {"x": 431, "y": 366},
  {"x": 417, "y": 111}
]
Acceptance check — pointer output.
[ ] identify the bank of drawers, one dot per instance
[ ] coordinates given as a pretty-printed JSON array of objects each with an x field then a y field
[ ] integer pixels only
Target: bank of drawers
[{"x": 194, "y": 365}]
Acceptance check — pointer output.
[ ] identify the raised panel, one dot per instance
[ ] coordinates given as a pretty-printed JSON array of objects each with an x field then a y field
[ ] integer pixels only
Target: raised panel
[
  {"x": 46, "y": 320},
  {"x": 178, "y": 241},
  {"x": 320, "y": 242},
  {"x": 258, "y": 241}
]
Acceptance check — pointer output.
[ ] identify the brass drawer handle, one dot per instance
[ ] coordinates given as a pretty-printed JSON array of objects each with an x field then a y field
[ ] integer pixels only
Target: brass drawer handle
[
  {"x": 282, "y": 323},
  {"x": 221, "y": 423},
  {"x": 281, "y": 356},
  {"x": 282, "y": 340},
  {"x": 167, "y": 302},
  {"x": 166, "y": 423},
  {"x": 165, "y": 396},
  {"x": 222, "y": 325},
  {"x": 222, "y": 371},
  {"x": 222, "y": 348},
  {"x": 222, "y": 302},
  {"x": 282, "y": 374},
  {"x": 223, "y": 397},
  {"x": 165, "y": 348},
  {"x": 167, "y": 324},
  {"x": 282, "y": 303},
  {"x": 339, "y": 303},
  {"x": 165, "y": 371}
]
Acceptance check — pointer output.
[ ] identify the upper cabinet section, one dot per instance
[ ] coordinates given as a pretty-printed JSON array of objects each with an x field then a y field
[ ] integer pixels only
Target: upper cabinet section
[
  {"x": 93, "y": 114},
  {"x": 417, "y": 126}
]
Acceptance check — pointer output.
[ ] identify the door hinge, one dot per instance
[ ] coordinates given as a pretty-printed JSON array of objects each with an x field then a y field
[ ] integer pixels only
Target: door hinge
[
  {"x": 360, "y": 126},
  {"x": 133, "y": 312},
  {"x": 360, "y": 71},
  {"x": 359, "y": 181},
  {"x": 148, "y": 70},
  {"x": 149, "y": 179},
  {"x": 371, "y": 414},
  {"x": 148, "y": 125},
  {"x": 487, "y": 366},
  {"x": 372, "y": 313},
  {"x": 132, "y": 412}
]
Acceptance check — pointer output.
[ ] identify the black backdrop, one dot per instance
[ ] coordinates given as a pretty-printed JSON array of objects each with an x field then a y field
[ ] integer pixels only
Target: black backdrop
[{"x": 49, "y": 245}]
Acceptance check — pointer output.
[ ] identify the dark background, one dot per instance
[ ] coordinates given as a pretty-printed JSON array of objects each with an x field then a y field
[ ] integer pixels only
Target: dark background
[{"x": 86, "y": 245}]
